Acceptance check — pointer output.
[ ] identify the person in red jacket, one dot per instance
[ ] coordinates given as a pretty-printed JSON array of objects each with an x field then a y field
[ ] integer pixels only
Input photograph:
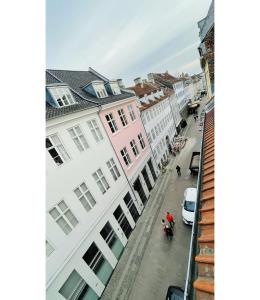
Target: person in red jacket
[{"x": 170, "y": 219}]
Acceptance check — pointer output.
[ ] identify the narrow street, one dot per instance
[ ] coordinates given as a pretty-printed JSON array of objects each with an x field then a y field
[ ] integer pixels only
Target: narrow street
[{"x": 150, "y": 263}]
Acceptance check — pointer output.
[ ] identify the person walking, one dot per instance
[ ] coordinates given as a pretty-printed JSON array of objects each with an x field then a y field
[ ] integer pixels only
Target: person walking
[
  {"x": 170, "y": 219},
  {"x": 169, "y": 232},
  {"x": 178, "y": 168}
]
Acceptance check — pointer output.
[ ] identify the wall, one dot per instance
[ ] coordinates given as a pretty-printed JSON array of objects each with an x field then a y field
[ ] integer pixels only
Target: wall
[
  {"x": 124, "y": 135},
  {"x": 60, "y": 183}
]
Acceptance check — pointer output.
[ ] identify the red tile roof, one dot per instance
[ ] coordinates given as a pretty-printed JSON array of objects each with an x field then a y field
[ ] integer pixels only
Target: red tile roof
[
  {"x": 144, "y": 106},
  {"x": 204, "y": 284},
  {"x": 144, "y": 88}
]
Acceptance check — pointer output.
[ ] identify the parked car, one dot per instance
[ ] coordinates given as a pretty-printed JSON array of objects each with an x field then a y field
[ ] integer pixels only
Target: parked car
[
  {"x": 188, "y": 205},
  {"x": 175, "y": 293}
]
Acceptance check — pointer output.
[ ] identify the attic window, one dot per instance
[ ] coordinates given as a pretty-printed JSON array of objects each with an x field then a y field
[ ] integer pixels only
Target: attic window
[
  {"x": 62, "y": 96},
  {"x": 101, "y": 93}
]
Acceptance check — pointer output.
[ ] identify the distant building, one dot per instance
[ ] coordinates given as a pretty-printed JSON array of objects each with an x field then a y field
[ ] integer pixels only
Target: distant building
[
  {"x": 175, "y": 83},
  {"x": 91, "y": 206},
  {"x": 157, "y": 118},
  {"x": 206, "y": 49}
]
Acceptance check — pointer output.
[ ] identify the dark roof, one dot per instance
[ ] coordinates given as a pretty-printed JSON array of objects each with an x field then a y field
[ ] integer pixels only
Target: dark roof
[
  {"x": 204, "y": 283},
  {"x": 76, "y": 81}
]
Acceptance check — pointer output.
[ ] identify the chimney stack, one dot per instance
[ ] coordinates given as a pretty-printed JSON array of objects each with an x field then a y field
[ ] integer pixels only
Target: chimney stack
[
  {"x": 138, "y": 80},
  {"x": 120, "y": 83}
]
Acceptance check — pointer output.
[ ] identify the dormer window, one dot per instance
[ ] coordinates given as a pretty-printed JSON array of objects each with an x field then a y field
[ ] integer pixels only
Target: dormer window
[{"x": 61, "y": 95}]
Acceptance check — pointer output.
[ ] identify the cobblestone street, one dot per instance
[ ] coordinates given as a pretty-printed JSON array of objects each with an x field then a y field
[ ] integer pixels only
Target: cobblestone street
[{"x": 150, "y": 263}]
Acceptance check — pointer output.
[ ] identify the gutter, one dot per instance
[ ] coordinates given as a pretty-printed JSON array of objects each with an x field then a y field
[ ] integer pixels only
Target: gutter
[{"x": 194, "y": 231}]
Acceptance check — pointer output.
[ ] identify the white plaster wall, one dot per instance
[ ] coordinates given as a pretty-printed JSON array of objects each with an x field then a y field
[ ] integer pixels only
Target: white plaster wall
[{"x": 60, "y": 183}]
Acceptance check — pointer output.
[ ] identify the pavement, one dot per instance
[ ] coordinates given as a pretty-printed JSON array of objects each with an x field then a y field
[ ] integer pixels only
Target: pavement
[{"x": 150, "y": 263}]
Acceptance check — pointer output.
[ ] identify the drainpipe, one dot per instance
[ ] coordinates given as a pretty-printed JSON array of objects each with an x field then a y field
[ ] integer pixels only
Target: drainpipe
[{"x": 132, "y": 189}]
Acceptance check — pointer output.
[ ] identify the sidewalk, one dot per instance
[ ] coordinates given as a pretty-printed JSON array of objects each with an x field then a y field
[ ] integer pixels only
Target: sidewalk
[{"x": 150, "y": 263}]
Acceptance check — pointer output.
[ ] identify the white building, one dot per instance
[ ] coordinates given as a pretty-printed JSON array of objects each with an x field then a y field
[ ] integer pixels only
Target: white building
[
  {"x": 91, "y": 208},
  {"x": 157, "y": 117}
]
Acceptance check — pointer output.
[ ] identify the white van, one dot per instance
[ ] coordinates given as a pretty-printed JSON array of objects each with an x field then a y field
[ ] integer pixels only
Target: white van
[{"x": 188, "y": 205}]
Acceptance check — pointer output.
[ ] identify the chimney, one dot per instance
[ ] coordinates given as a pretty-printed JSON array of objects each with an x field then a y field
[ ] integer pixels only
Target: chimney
[
  {"x": 138, "y": 80},
  {"x": 120, "y": 83},
  {"x": 150, "y": 77}
]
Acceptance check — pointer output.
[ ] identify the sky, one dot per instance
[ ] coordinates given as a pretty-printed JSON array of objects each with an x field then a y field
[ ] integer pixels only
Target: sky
[{"x": 124, "y": 39}]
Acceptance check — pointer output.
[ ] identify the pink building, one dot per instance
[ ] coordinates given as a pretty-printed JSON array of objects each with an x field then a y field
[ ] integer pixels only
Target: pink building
[{"x": 125, "y": 130}]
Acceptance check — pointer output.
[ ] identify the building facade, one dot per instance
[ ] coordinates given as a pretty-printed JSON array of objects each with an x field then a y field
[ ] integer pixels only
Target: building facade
[
  {"x": 91, "y": 207},
  {"x": 206, "y": 49},
  {"x": 157, "y": 117},
  {"x": 175, "y": 83}
]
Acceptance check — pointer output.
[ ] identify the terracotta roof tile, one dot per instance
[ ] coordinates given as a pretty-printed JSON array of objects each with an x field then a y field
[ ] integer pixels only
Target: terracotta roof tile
[{"x": 204, "y": 284}]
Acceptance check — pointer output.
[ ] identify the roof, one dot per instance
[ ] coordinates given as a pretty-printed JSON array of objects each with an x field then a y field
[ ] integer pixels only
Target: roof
[
  {"x": 167, "y": 77},
  {"x": 204, "y": 283},
  {"x": 76, "y": 81},
  {"x": 145, "y": 106},
  {"x": 206, "y": 23},
  {"x": 147, "y": 88}
]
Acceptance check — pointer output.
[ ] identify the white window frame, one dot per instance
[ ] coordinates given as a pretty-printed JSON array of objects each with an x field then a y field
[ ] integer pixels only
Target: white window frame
[
  {"x": 153, "y": 134},
  {"x": 85, "y": 197},
  {"x": 141, "y": 140},
  {"x": 134, "y": 148},
  {"x": 62, "y": 96},
  {"x": 126, "y": 156},
  {"x": 111, "y": 122},
  {"x": 122, "y": 116},
  {"x": 95, "y": 130},
  {"x": 113, "y": 169},
  {"x": 49, "y": 248},
  {"x": 149, "y": 137},
  {"x": 59, "y": 148},
  {"x": 101, "y": 181},
  {"x": 131, "y": 112},
  {"x": 62, "y": 215},
  {"x": 78, "y": 138}
]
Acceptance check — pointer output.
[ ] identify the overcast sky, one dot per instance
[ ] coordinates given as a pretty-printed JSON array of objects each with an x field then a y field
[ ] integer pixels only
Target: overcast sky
[{"x": 124, "y": 39}]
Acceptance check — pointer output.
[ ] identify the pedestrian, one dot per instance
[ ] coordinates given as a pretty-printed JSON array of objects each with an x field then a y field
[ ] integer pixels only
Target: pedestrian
[
  {"x": 163, "y": 225},
  {"x": 169, "y": 233},
  {"x": 178, "y": 168},
  {"x": 194, "y": 118},
  {"x": 170, "y": 219}
]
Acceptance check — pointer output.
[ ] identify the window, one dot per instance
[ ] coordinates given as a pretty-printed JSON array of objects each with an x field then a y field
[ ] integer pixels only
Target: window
[
  {"x": 153, "y": 134},
  {"x": 149, "y": 137},
  {"x": 78, "y": 138},
  {"x": 131, "y": 112},
  {"x": 56, "y": 149},
  {"x": 155, "y": 154},
  {"x": 156, "y": 130},
  {"x": 62, "y": 96},
  {"x": 84, "y": 196},
  {"x": 134, "y": 148},
  {"x": 63, "y": 216},
  {"x": 143, "y": 118},
  {"x": 101, "y": 181},
  {"x": 99, "y": 265},
  {"x": 95, "y": 130},
  {"x": 111, "y": 122},
  {"x": 148, "y": 116},
  {"x": 141, "y": 140},
  {"x": 126, "y": 156},
  {"x": 49, "y": 248},
  {"x": 112, "y": 240},
  {"x": 113, "y": 169},
  {"x": 122, "y": 116},
  {"x": 151, "y": 113},
  {"x": 75, "y": 287}
]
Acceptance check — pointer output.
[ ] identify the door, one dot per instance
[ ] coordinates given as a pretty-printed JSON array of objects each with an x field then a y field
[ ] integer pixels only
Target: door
[
  {"x": 150, "y": 164},
  {"x": 122, "y": 220},
  {"x": 138, "y": 187},
  {"x": 146, "y": 179},
  {"x": 131, "y": 206}
]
